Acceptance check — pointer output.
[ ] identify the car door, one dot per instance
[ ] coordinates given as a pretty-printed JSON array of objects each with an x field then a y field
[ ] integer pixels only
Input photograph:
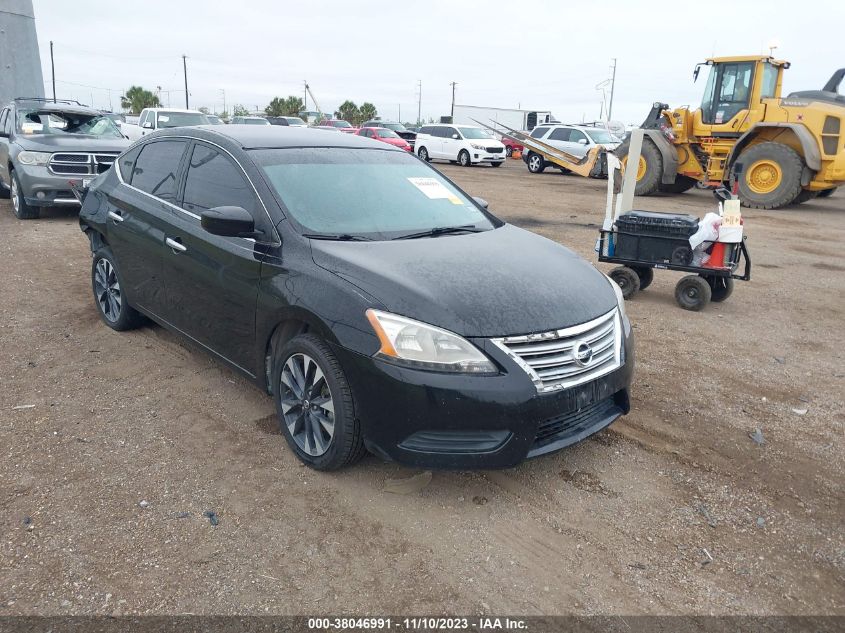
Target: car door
[
  {"x": 140, "y": 211},
  {"x": 579, "y": 143},
  {"x": 212, "y": 281},
  {"x": 559, "y": 138},
  {"x": 5, "y": 117}
]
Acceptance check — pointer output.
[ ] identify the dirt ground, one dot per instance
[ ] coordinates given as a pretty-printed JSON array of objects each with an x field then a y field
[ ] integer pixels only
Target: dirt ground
[{"x": 674, "y": 509}]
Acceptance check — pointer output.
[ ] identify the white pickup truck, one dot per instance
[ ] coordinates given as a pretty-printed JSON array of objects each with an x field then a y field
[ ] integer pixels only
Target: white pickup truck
[{"x": 153, "y": 119}]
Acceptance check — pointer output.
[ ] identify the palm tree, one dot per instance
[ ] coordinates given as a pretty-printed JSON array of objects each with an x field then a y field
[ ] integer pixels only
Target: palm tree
[
  {"x": 348, "y": 111},
  {"x": 367, "y": 112},
  {"x": 136, "y": 99}
]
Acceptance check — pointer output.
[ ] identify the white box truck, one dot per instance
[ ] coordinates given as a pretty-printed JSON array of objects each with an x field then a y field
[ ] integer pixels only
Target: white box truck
[{"x": 515, "y": 119}]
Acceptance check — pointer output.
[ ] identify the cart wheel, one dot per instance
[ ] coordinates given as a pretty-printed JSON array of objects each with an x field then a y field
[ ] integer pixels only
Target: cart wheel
[
  {"x": 692, "y": 293},
  {"x": 720, "y": 287},
  {"x": 626, "y": 279},
  {"x": 646, "y": 275}
]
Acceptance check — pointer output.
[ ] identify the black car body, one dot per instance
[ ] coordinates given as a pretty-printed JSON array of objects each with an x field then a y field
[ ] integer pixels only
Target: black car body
[{"x": 556, "y": 347}]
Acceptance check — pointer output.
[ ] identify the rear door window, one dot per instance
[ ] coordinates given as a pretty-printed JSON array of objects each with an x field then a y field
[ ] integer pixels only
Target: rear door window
[
  {"x": 157, "y": 167},
  {"x": 576, "y": 136},
  {"x": 561, "y": 134},
  {"x": 127, "y": 162},
  {"x": 539, "y": 132}
]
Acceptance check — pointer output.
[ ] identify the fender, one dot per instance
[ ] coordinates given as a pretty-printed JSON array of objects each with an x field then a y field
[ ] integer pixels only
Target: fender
[
  {"x": 812, "y": 155},
  {"x": 669, "y": 154}
]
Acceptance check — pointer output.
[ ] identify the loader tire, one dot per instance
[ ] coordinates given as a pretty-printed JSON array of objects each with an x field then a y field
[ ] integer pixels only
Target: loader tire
[
  {"x": 771, "y": 176},
  {"x": 681, "y": 184},
  {"x": 805, "y": 195},
  {"x": 649, "y": 169}
]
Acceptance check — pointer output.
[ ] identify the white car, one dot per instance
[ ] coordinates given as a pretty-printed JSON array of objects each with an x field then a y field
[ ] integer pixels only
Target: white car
[
  {"x": 153, "y": 119},
  {"x": 463, "y": 144},
  {"x": 572, "y": 139}
]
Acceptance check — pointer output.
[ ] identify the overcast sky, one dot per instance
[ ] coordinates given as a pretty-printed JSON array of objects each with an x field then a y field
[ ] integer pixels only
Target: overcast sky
[{"x": 538, "y": 54}]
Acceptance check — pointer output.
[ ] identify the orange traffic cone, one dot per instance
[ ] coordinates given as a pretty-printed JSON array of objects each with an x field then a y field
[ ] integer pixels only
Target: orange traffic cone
[{"x": 717, "y": 256}]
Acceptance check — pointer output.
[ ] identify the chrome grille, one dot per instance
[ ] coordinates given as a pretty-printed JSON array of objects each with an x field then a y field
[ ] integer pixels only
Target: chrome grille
[
  {"x": 568, "y": 357},
  {"x": 80, "y": 163}
]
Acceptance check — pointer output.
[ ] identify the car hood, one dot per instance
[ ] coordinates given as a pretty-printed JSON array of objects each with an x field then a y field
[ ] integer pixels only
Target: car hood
[
  {"x": 72, "y": 143},
  {"x": 502, "y": 282}
]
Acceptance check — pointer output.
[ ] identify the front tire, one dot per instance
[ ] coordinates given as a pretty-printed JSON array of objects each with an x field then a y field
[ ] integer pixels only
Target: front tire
[
  {"x": 720, "y": 288},
  {"x": 22, "y": 210},
  {"x": 536, "y": 163},
  {"x": 423, "y": 154},
  {"x": 693, "y": 293},
  {"x": 111, "y": 303},
  {"x": 315, "y": 406},
  {"x": 508, "y": 151},
  {"x": 771, "y": 177},
  {"x": 497, "y": 163},
  {"x": 627, "y": 280},
  {"x": 464, "y": 159},
  {"x": 649, "y": 167}
]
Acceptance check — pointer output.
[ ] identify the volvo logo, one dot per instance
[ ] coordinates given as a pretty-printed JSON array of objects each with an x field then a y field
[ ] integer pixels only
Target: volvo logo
[{"x": 582, "y": 353}]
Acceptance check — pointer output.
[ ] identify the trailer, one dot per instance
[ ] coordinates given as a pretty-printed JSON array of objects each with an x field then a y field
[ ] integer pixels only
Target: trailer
[{"x": 513, "y": 118}]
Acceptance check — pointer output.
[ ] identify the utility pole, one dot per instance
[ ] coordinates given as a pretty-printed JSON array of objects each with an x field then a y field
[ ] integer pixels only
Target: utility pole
[
  {"x": 400, "y": 113},
  {"x": 612, "y": 86},
  {"x": 453, "y": 84},
  {"x": 185, "y": 69},
  {"x": 419, "y": 102},
  {"x": 53, "y": 71},
  {"x": 305, "y": 92},
  {"x": 223, "y": 90}
]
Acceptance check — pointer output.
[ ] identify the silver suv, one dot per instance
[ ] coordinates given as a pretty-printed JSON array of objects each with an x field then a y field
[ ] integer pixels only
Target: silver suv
[
  {"x": 47, "y": 147},
  {"x": 572, "y": 139}
]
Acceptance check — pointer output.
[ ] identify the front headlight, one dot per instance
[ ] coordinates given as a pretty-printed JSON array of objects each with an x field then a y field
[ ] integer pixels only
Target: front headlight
[
  {"x": 477, "y": 146},
  {"x": 421, "y": 346},
  {"x": 619, "y": 298},
  {"x": 34, "y": 158}
]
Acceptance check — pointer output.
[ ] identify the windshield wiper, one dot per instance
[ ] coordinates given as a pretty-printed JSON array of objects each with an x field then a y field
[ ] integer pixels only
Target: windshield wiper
[
  {"x": 343, "y": 237},
  {"x": 441, "y": 230}
]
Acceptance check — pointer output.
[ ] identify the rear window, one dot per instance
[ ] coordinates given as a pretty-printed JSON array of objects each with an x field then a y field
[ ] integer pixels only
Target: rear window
[
  {"x": 178, "y": 119},
  {"x": 539, "y": 132}
]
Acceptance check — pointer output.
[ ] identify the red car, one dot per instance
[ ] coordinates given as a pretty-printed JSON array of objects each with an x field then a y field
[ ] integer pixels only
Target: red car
[
  {"x": 511, "y": 145},
  {"x": 385, "y": 136},
  {"x": 340, "y": 124}
]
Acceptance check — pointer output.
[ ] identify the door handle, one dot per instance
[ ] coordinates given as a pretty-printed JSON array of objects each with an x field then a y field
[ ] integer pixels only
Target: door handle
[
  {"x": 116, "y": 216},
  {"x": 176, "y": 247}
]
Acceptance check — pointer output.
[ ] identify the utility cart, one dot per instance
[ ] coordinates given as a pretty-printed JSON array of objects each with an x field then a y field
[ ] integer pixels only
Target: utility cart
[{"x": 640, "y": 241}]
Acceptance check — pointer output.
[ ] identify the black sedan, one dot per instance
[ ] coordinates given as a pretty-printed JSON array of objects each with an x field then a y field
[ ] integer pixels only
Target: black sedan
[{"x": 381, "y": 306}]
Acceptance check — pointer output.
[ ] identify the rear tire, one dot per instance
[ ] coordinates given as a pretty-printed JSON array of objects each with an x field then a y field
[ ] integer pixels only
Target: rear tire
[
  {"x": 720, "y": 288},
  {"x": 22, "y": 210},
  {"x": 422, "y": 152},
  {"x": 650, "y": 168},
  {"x": 536, "y": 163},
  {"x": 693, "y": 293},
  {"x": 111, "y": 303},
  {"x": 645, "y": 274},
  {"x": 315, "y": 405},
  {"x": 627, "y": 280},
  {"x": 464, "y": 159},
  {"x": 681, "y": 184},
  {"x": 771, "y": 177},
  {"x": 805, "y": 195}
]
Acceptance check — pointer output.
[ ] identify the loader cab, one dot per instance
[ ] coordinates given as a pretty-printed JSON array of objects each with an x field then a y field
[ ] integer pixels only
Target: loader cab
[{"x": 734, "y": 93}]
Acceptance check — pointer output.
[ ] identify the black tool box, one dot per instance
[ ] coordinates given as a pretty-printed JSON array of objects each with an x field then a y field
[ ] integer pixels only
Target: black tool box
[{"x": 660, "y": 238}]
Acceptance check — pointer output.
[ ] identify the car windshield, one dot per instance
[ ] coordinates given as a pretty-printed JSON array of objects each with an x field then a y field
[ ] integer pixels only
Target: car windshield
[
  {"x": 35, "y": 121},
  {"x": 339, "y": 123},
  {"x": 473, "y": 132},
  {"x": 396, "y": 127},
  {"x": 384, "y": 133},
  {"x": 213, "y": 119},
  {"x": 179, "y": 119},
  {"x": 257, "y": 121},
  {"x": 294, "y": 120},
  {"x": 377, "y": 194},
  {"x": 602, "y": 136}
]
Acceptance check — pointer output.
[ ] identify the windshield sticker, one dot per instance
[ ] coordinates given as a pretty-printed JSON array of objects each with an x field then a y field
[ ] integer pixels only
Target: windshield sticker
[{"x": 434, "y": 189}]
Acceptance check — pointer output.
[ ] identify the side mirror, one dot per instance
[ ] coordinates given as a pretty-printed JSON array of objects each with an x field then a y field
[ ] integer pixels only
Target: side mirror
[
  {"x": 481, "y": 202},
  {"x": 582, "y": 141},
  {"x": 148, "y": 125},
  {"x": 229, "y": 222},
  {"x": 455, "y": 136}
]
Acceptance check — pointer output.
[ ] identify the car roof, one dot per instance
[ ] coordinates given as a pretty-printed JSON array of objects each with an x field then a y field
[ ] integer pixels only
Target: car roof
[
  {"x": 269, "y": 136},
  {"x": 174, "y": 110},
  {"x": 49, "y": 106}
]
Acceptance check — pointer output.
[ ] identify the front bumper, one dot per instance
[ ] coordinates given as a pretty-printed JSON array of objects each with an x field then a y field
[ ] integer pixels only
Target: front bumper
[
  {"x": 432, "y": 420},
  {"x": 41, "y": 188},
  {"x": 482, "y": 156}
]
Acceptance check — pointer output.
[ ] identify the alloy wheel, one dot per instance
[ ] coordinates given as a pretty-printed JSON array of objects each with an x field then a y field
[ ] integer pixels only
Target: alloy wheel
[
  {"x": 16, "y": 203},
  {"x": 107, "y": 290},
  {"x": 307, "y": 404},
  {"x": 535, "y": 163},
  {"x": 463, "y": 159}
]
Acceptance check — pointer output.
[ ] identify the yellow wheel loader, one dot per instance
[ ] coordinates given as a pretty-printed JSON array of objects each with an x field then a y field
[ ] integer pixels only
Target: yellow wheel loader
[{"x": 791, "y": 149}]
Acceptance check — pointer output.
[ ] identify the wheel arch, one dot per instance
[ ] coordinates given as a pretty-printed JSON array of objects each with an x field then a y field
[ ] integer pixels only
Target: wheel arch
[{"x": 774, "y": 132}]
